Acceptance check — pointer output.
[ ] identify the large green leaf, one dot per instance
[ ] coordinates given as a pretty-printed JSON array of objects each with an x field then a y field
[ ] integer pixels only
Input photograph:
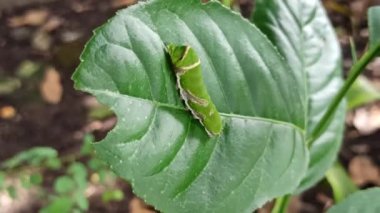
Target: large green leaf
[
  {"x": 158, "y": 146},
  {"x": 302, "y": 33},
  {"x": 366, "y": 201}
]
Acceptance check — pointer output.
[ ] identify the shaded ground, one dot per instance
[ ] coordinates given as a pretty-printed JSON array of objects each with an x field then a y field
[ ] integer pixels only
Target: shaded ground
[
  {"x": 54, "y": 38},
  {"x": 39, "y": 123}
]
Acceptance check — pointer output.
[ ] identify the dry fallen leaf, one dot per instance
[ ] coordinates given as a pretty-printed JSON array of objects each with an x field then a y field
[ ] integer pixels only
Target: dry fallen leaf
[
  {"x": 326, "y": 200},
  {"x": 266, "y": 208},
  {"x": 122, "y": 3},
  {"x": 367, "y": 120},
  {"x": 9, "y": 85},
  {"x": 41, "y": 40},
  {"x": 81, "y": 7},
  {"x": 52, "y": 24},
  {"x": 138, "y": 206},
  {"x": 363, "y": 171},
  {"x": 7, "y": 112},
  {"x": 31, "y": 18},
  {"x": 51, "y": 88}
]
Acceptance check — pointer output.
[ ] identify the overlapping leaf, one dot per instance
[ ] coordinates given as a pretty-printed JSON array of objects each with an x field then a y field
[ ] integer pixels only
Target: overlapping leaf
[
  {"x": 366, "y": 201},
  {"x": 301, "y": 31},
  {"x": 159, "y": 147}
]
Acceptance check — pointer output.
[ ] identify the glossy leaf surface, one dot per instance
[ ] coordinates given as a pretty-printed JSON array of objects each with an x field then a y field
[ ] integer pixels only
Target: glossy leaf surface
[
  {"x": 302, "y": 33},
  {"x": 158, "y": 146}
]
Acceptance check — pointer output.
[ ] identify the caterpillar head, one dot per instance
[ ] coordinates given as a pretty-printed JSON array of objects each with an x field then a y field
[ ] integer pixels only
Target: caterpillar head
[{"x": 176, "y": 52}]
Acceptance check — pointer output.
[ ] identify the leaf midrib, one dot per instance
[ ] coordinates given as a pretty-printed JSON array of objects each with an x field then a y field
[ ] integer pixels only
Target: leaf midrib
[
  {"x": 165, "y": 105},
  {"x": 301, "y": 55}
]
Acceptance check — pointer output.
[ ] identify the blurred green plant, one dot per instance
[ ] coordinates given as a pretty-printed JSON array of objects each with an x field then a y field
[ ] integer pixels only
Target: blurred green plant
[
  {"x": 340, "y": 182},
  {"x": 9, "y": 85},
  {"x": 362, "y": 92},
  {"x": 29, "y": 167},
  {"x": 37, "y": 156},
  {"x": 27, "y": 69}
]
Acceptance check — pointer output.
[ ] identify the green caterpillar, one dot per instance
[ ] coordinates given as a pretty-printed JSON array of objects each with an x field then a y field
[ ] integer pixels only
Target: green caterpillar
[{"x": 192, "y": 89}]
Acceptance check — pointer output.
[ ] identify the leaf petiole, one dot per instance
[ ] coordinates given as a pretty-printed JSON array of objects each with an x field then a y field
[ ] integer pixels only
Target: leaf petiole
[
  {"x": 354, "y": 73},
  {"x": 281, "y": 204}
]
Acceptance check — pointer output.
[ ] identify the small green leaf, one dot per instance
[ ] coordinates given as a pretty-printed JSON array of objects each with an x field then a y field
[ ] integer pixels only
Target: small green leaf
[
  {"x": 53, "y": 163},
  {"x": 373, "y": 25},
  {"x": 82, "y": 201},
  {"x": 35, "y": 161},
  {"x": 79, "y": 174},
  {"x": 36, "y": 179},
  {"x": 64, "y": 184},
  {"x": 87, "y": 147},
  {"x": 362, "y": 92},
  {"x": 95, "y": 164},
  {"x": 112, "y": 195},
  {"x": 60, "y": 204},
  {"x": 2, "y": 179},
  {"x": 25, "y": 181},
  {"x": 12, "y": 192},
  {"x": 340, "y": 182},
  {"x": 32, "y": 156},
  {"x": 77, "y": 169},
  {"x": 366, "y": 201}
]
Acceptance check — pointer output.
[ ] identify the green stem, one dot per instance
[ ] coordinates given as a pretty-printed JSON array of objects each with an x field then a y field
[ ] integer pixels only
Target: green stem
[
  {"x": 355, "y": 71},
  {"x": 281, "y": 204},
  {"x": 354, "y": 56}
]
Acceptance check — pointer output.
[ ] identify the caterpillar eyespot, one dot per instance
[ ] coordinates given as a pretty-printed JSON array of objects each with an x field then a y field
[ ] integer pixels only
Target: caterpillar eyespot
[{"x": 187, "y": 69}]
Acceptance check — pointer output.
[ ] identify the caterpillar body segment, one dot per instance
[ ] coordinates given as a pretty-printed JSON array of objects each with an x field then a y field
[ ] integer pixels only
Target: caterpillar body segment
[{"x": 187, "y": 68}]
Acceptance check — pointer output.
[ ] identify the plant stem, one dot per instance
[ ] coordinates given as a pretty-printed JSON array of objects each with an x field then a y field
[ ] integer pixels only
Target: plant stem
[
  {"x": 354, "y": 56},
  {"x": 355, "y": 71},
  {"x": 281, "y": 204}
]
